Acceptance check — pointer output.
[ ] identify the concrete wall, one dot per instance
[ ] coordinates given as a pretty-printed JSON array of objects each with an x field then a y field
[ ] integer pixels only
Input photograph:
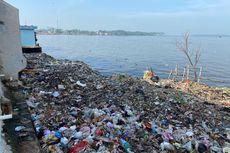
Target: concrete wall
[
  {"x": 27, "y": 37},
  {"x": 11, "y": 57}
]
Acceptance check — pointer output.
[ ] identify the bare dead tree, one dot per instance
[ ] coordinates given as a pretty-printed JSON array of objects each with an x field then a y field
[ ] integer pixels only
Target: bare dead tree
[{"x": 184, "y": 47}]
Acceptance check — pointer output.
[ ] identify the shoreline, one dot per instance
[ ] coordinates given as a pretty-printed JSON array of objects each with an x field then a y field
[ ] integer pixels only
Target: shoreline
[
  {"x": 63, "y": 93},
  {"x": 97, "y": 55}
]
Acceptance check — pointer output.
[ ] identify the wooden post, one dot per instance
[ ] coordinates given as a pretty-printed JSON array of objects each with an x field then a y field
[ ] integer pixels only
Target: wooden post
[
  {"x": 176, "y": 72},
  {"x": 170, "y": 74},
  {"x": 188, "y": 72},
  {"x": 200, "y": 73},
  {"x": 183, "y": 74}
]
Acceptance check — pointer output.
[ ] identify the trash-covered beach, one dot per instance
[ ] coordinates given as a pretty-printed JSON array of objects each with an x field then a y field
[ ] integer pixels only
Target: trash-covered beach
[{"x": 77, "y": 110}]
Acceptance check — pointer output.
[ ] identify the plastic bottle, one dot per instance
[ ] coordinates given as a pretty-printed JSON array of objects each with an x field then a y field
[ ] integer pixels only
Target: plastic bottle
[
  {"x": 155, "y": 129},
  {"x": 125, "y": 145}
]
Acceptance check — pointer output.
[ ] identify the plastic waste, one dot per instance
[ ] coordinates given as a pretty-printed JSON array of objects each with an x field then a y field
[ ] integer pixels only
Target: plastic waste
[
  {"x": 167, "y": 146},
  {"x": 226, "y": 150},
  {"x": 155, "y": 128},
  {"x": 45, "y": 93},
  {"x": 189, "y": 133},
  {"x": 100, "y": 147},
  {"x": 64, "y": 141},
  {"x": 164, "y": 122},
  {"x": 81, "y": 84},
  {"x": 20, "y": 128},
  {"x": 60, "y": 86},
  {"x": 32, "y": 104},
  {"x": 167, "y": 136},
  {"x": 73, "y": 127},
  {"x": 62, "y": 129},
  {"x": 47, "y": 132},
  {"x": 99, "y": 132},
  {"x": 110, "y": 125},
  {"x": 216, "y": 149},
  {"x": 201, "y": 148},
  {"x": 188, "y": 146},
  {"x": 228, "y": 136},
  {"x": 55, "y": 94},
  {"x": 122, "y": 110},
  {"x": 99, "y": 86},
  {"x": 52, "y": 149},
  {"x": 85, "y": 131},
  {"x": 78, "y": 147},
  {"x": 58, "y": 134},
  {"x": 205, "y": 126},
  {"x": 90, "y": 139},
  {"x": 78, "y": 135},
  {"x": 125, "y": 145}
]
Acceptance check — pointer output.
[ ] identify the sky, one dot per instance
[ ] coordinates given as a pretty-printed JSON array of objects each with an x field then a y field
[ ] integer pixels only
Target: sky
[{"x": 168, "y": 16}]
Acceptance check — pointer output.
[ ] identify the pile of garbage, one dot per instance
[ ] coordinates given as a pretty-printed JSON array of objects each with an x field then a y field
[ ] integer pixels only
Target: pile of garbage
[
  {"x": 215, "y": 95},
  {"x": 76, "y": 110}
]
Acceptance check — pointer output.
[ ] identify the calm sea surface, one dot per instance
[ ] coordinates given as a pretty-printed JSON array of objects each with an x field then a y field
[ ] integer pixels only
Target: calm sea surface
[{"x": 133, "y": 54}]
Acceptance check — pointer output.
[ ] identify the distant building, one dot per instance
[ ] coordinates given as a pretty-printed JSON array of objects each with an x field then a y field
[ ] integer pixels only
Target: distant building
[
  {"x": 29, "y": 39},
  {"x": 11, "y": 58}
]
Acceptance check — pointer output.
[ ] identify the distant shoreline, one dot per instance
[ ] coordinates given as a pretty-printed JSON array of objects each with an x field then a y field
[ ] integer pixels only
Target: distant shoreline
[
  {"x": 195, "y": 35},
  {"x": 99, "y": 35},
  {"x": 53, "y": 31}
]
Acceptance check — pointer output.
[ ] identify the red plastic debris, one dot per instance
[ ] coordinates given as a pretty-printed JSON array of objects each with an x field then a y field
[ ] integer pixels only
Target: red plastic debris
[{"x": 78, "y": 147}]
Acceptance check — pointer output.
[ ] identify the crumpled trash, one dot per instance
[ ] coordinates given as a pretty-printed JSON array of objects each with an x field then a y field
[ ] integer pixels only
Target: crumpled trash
[
  {"x": 85, "y": 131},
  {"x": 188, "y": 146},
  {"x": 201, "y": 148},
  {"x": 60, "y": 86},
  {"x": 189, "y": 133},
  {"x": 77, "y": 148},
  {"x": 126, "y": 145},
  {"x": 226, "y": 150},
  {"x": 19, "y": 128},
  {"x": 155, "y": 128},
  {"x": 78, "y": 135},
  {"x": 55, "y": 94},
  {"x": 119, "y": 113},
  {"x": 99, "y": 86},
  {"x": 81, "y": 84},
  {"x": 64, "y": 141},
  {"x": 167, "y": 146},
  {"x": 32, "y": 104}
]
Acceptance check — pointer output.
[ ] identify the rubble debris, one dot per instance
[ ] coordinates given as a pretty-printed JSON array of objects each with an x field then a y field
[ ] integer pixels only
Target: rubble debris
[{"x": 117, "y": 113}]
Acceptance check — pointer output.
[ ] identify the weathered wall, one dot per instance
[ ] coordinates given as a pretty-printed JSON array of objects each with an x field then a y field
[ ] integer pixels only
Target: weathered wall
[
  {"x": 11, "y": 57},
  {"x": 4, "y": 148}
]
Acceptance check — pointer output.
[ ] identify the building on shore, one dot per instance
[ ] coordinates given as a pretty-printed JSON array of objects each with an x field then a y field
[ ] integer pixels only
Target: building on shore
[
  {"x": 28, "y": 35},
  {"x": 29, "y": 39}
]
